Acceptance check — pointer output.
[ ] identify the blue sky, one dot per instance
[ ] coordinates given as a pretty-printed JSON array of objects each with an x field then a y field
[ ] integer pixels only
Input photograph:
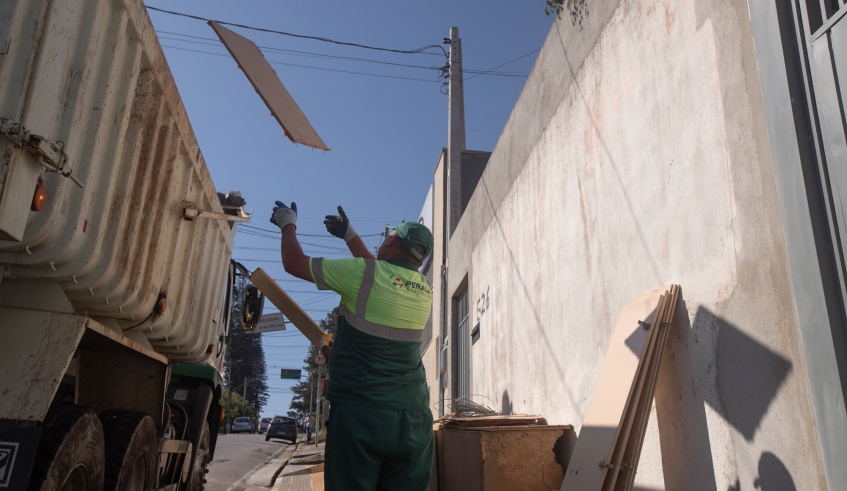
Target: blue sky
[{"x": 385, "y": 133}]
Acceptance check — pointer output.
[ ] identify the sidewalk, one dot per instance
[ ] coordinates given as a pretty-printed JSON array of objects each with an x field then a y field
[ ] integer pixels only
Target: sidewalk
[{"x": 304, "y": 471}]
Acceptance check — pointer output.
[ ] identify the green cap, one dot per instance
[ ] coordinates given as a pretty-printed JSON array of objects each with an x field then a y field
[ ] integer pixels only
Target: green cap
[{"x": 414, "y": 233}]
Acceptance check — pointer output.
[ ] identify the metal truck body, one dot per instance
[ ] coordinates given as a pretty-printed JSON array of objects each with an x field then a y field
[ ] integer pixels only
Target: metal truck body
[{"x": 114, "y": 245}]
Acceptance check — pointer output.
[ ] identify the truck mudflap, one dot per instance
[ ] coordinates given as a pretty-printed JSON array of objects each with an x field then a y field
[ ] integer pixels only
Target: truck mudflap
[{"x": 18, "y": 444}]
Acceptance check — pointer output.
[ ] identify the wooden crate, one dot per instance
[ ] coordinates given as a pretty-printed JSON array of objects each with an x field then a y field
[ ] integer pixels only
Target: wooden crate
[{"x": 502, "y": 458}]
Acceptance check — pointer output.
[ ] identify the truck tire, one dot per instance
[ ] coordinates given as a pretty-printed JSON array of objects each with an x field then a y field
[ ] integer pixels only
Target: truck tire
[
  {"x": 132, "y": 448},
  {"x": 70, "y": 455},
  {"x": 197, "y": 475}
]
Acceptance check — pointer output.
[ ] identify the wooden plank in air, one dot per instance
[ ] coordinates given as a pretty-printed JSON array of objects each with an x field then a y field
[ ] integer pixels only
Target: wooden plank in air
[
  {"x": 294, "y": 123},
  {"x": 289, "y": 308},
  {"x": 601, "y": 425}
]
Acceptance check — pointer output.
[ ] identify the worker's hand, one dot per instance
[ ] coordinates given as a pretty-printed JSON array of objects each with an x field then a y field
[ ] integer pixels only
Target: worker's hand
[
  {"x": 283, "y": 216},
  {"x": 340, "y": 226}
]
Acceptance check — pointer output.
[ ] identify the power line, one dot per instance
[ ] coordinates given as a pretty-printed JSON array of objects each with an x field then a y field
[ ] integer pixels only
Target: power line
[
  {"x": 327, "y": 236},
  {"x": 313, "y": 67},
  {"x": 504, "y": 64},
  {"x": 309, "y": 54},
  {"x": 421, "y": 50}
]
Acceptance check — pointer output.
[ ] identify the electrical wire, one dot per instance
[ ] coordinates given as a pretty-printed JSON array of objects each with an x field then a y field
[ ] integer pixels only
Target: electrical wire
[
  {"x": 421, "y": 50},
  {"x": 142, "y": 322},
  {"x": 504, "y": 64},
  {"x": 327, "y": 236},
  {"x": 312, "y": 67},
  {"x": 309, "y": 54}
]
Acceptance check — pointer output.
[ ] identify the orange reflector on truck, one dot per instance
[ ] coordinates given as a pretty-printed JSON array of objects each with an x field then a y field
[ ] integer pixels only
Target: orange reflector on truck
[{"x": 39, "y": 199}]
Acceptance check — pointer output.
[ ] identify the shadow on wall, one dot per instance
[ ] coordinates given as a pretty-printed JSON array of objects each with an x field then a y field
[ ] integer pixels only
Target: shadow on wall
[
  {"x": 713, "y": 362},
  {"x": 506, "y": 403},
  {"x": 773, "y": 476}
]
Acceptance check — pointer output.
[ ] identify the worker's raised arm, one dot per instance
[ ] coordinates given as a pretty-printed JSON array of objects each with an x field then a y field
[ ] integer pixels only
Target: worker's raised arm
[
  {"x": 293, "y": 260},
  {"x": 340, "y": 226},
  {"x": 358, "y": 248}
]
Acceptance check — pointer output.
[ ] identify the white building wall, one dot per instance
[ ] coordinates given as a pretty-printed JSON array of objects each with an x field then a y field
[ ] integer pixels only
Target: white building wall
[{"x": 653, "y": 169}]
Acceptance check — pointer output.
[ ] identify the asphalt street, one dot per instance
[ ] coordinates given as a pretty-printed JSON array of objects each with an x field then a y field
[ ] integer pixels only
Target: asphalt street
[{"x": 238, "y": 456}]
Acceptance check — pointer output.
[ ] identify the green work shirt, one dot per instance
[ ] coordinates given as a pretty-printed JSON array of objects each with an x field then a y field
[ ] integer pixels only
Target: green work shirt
[{"x": 375, "y": 357}]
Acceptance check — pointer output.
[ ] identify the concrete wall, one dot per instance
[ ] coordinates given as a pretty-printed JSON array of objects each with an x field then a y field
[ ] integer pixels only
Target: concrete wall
[
  {"x": 430, "y": 356},
  {"x": 637, "y": 156}
]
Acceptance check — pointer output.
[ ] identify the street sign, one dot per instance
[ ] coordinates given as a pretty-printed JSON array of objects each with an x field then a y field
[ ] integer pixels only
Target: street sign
[
  {"x": 290, "y": 374},
  {"x": 270, "y": 323},
  {"x": 320, "y": 359}
]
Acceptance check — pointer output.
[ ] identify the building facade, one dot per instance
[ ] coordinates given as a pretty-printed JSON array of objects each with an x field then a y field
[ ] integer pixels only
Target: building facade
[{"x": 657, "y": 142}]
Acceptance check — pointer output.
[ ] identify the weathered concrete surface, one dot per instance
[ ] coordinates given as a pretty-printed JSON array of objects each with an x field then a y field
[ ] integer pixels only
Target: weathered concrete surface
[
  {"x": 439, "y": 222},
  {"x": 654, "y": 168}
]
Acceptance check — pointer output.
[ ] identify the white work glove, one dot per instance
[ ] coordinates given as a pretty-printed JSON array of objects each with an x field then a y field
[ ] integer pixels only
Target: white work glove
[
  {"x": 282, "y": 216},
  {"x": 340, "y": 226}
]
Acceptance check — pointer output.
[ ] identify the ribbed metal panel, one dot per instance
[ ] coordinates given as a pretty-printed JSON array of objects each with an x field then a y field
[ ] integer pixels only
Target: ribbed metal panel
[{"x": 91, "y": 74}]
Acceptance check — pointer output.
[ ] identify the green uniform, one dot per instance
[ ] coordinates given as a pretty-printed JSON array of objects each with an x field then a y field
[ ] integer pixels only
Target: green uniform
[{"x": 380, "y": 425}]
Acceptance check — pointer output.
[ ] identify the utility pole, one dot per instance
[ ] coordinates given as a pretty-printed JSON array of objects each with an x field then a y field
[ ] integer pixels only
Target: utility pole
[
  {"x": 244, "y": 397},
  {"x": 455, "y": 130},
  {"x": 228, "y": 397},
  {"x": 317, "y": 424},
  {"x": 311, "y": 394},
  {"x": 453, "y": 206}
]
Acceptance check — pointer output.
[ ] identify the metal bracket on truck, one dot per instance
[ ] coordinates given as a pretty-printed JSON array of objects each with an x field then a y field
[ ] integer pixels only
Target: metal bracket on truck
[
  {"x": 190, "y": 212},
  {"x": 50, "y": 154}
]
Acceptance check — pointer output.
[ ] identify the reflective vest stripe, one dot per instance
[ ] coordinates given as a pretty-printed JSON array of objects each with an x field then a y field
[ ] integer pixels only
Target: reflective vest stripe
[
  {"x": 318, "y": 273},
  {"x": 365, "y": 288},
  {"x": 379, "y": 330}
]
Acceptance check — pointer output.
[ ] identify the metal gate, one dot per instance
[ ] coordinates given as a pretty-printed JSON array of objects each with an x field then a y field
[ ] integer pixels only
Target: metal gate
[{"x": 824, "y": 26}]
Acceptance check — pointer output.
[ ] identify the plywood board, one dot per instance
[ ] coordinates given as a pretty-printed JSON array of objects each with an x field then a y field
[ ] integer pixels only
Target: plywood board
[
  {"x": 601, "y": 426},
  {"x": 636, "y": 396},
  {"x": 266, "y": 82},
  {"x": 289, "y": 308},
  {"x": 632, "y": 454}
]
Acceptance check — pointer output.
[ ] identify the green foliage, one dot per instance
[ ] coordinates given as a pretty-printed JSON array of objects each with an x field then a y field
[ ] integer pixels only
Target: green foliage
[
  {"x": 304, "y": 391},
  {"x": 245, "y": 357},
  {"x": 238, "y": 406},
  {"x": 577, "y": 9}
]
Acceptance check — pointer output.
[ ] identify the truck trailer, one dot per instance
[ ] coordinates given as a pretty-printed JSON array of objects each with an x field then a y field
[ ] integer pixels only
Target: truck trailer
[{"x": 115, "y": 257}]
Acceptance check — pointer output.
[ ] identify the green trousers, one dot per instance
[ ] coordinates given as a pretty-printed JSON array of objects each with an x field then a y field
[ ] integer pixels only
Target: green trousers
[{"x": 370, "y": 449}]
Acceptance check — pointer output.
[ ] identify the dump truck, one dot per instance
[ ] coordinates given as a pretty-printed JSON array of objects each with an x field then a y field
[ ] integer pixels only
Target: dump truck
[{"x": 115, "y": 257}]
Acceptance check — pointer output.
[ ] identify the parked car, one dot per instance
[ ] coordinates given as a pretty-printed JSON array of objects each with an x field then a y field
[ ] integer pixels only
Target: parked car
[
  {"x": 243, "y": 424},
  {"x": 282, "y": 428},
  {"x": 263, "y": 425}
]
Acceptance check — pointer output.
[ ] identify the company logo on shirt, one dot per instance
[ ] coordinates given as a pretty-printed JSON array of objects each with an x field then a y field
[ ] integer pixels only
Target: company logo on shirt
[
  {"x": 417, "y": 287},
  {"x": 397, "y": 282}
]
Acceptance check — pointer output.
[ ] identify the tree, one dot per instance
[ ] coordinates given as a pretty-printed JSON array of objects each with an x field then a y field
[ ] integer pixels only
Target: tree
[
  {"x": 238, "y": 406},
  {"x": 245, "y": 357},
  {"x": 304, "y": 391},
  {"x": 577, "y": 9}
]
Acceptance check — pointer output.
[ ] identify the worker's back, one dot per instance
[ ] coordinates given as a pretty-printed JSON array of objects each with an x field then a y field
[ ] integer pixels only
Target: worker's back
[{"x": 376, "y": 352}]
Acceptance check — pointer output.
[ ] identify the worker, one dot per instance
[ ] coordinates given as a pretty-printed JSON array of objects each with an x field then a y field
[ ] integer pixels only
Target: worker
[{"x": 379, "y": 431}]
